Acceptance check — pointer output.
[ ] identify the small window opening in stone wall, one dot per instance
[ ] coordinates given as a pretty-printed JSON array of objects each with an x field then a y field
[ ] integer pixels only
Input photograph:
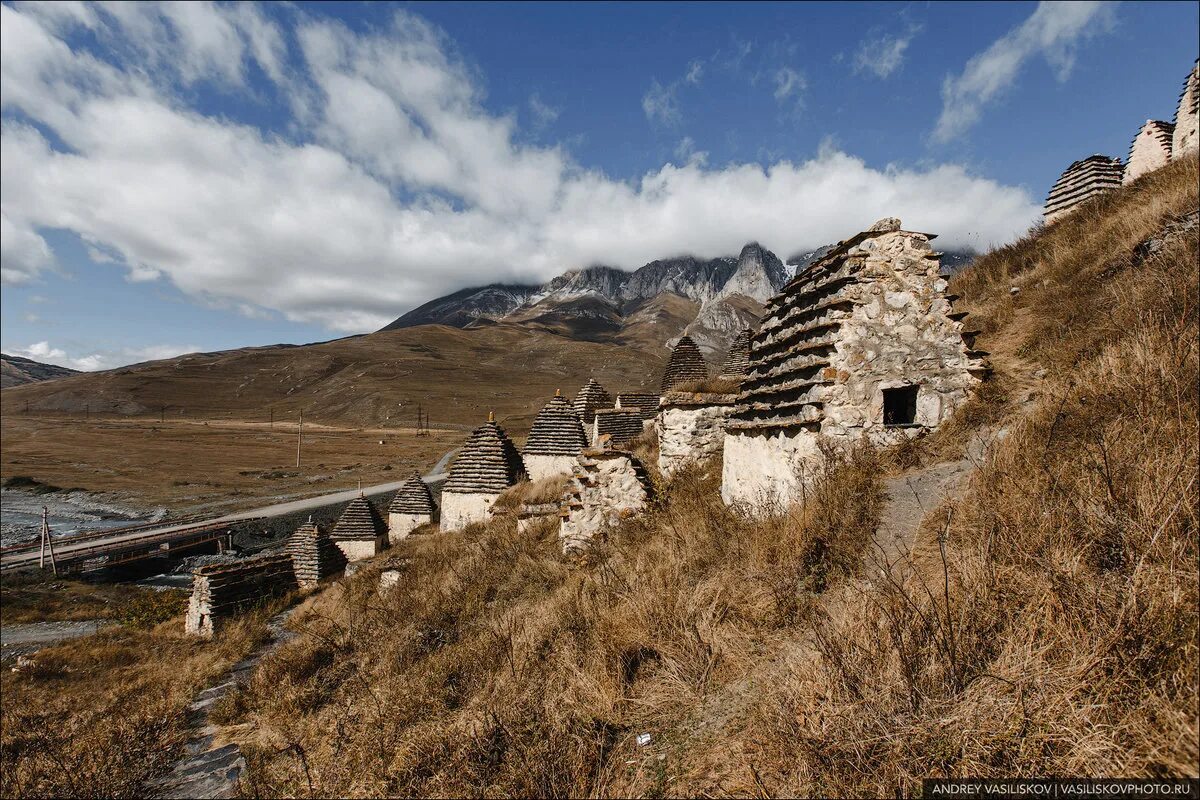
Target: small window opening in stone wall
[{"x": 900, "y": 405}]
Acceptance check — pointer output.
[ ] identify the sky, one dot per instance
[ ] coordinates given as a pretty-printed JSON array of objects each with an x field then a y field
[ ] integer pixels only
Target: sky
[{"x": 194, "y": 177}]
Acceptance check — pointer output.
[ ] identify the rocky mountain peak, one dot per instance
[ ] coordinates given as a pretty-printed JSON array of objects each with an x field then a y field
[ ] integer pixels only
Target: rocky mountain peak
[{"x": 759, "y": 274}]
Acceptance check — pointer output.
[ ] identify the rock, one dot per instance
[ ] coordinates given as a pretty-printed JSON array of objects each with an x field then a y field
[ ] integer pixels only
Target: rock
[{"x": 886, "y": 224}]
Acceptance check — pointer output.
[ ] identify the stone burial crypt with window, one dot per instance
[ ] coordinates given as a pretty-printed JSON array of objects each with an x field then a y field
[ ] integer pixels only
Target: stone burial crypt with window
[{"x": 862, "y": 344}]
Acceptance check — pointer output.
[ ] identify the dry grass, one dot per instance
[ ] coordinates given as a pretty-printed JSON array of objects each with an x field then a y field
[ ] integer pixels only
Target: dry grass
[
  {"x": 711, "y": 385},
  {"x": 99, "y": 716},
  {"x": 34, "y": 598},
  {"x": 496, "y": 668},
  {"x": 547, "y": 490},
  {"x": 1046, "y": 625}
]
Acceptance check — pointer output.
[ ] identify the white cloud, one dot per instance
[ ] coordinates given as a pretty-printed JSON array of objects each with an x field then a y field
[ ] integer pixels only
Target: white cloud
[
  {"x": 686, "y": 151},
  {"x": 23, "y": 253},
  {"x": 883, "y": 54},
  {"x": 661, "y": 105},
  {"x": 104, "y": 359},
  {"x": 543, "y": 113},
  {"x": 695, "y": 72},
  {"x": 1053, "y": 31},
  {"x": 396, "y": 184},
  {"x": 789, "y": 84}
]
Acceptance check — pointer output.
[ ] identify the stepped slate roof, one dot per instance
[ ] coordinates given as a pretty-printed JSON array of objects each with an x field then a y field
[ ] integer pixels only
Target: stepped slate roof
[
  {"x": 488, "y": 463},
  {"x": 314, "y": 554},
  {"x": 413, "y": 497},
  {"x": 645, "y": 404},
  {"x": 790, "y": 356},
  {"x": 686, "y": 365},
  {"x": 738, "y": 359},
  {"x": 556, "y": 430},
  {"x": 359, "y": 521},
  {"x": 1081, "y": 181},
  {"x": 590, "y": 398},
  {"x": 622, "y": 424}
]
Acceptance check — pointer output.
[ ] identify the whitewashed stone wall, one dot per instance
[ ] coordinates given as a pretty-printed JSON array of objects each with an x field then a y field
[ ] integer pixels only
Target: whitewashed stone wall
[
  {"x": 539, "y": 467},
  {"x": 359, "y": 549},
  {"x": 691, "y": 427},
  {"x": 607, "y": 488},
  {"x": 1151, "y": 149},
  {"x": 401, "y": 525},
  {"x": 767, "y": 473},
  {"x": 1187, "y": 121},
  {"x": 530, "y": 515},
  {"x": 460, "y": 509}
]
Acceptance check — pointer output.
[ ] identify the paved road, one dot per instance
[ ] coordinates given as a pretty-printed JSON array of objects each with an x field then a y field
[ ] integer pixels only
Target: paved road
[{"x": 65, "y": 548}]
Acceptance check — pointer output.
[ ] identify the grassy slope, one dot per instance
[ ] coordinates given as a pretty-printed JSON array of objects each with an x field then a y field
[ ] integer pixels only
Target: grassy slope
[{"x": 1057, "y": 634}]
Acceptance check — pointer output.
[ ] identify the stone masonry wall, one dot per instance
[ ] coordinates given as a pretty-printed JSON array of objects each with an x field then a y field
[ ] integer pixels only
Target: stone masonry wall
[
  {"x": 767, "y": 472},
  {"x": 460, "y": 509},
  {"x": 691, "y": 427},
  {"x": 608, "y": 486},
  {"x": 220, "y": 591},
  {"x": 539, "y": 467},
  {"x": 400, "y": 524}
]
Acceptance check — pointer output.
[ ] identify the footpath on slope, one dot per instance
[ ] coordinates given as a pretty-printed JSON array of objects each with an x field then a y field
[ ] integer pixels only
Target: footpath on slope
[{"x": 210, "y": 768}]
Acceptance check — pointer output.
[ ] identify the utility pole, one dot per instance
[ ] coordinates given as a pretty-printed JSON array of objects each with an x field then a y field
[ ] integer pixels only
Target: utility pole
[
  {"x": 162, "y": 413},
  {"x": 299, "y": 436},
  {"x": 47, "y": 542},
  {"x": 272, "y": 417}
]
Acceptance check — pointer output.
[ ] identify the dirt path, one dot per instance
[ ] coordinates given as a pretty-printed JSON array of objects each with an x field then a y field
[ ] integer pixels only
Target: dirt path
[
  {"x": 22, "y": 640},
  {"x": 210, "y": 769}
]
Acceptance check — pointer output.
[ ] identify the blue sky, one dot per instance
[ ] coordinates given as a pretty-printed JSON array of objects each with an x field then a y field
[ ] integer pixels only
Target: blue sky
[{"x": 196, "y": 176}]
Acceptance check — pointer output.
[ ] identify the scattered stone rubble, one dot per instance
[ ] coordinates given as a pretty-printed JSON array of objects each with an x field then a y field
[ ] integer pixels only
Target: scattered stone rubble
[
  {"x": 862, "y": 343},
  {"x": 1186, "y": 134},
  {"x": 411, "y": 508},
  {"x": 691, "y": 427},
  {"x": 554, "y": 440},
  {"x": 221, "y": 591},
  {"x": 314, "y": 554},
  {"x": 1082, "y": 181},
  {"x": 608, "y": 486},
  {"x": 686, "y": 365},
  {"x": 360, "y": 531},
  {"x": 1150, "y": 149},
  {"x": 486, "y": 465}
]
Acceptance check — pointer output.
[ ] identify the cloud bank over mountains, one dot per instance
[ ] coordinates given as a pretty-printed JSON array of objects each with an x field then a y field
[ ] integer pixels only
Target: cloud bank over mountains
[{"x": 367, "y": 175}]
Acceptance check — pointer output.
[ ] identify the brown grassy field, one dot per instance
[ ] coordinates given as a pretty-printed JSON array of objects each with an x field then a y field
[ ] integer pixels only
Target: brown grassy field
[
  {"x": 1045, "y": 622},
  {"x": 99, "y": 716},
  {"x": 218, "y": 466}
]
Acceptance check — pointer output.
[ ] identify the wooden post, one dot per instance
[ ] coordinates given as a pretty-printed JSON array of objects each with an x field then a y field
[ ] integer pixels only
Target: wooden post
[
  {"x": 47, "y": 542},
  {"x": 299, "y": 436},
  {"x": 272, "y": 417}
]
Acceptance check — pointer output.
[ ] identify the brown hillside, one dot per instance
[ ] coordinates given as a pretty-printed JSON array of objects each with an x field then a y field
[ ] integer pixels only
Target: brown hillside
[{"x": 456, "y": 375}]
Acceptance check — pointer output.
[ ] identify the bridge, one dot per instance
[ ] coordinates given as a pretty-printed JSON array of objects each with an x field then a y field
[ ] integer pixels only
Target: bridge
[{"x": 97, "y": 549}]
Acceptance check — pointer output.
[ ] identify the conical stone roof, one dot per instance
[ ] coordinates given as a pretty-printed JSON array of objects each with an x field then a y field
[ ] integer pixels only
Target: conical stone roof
[
  {"x": 556, "y": 430},
  {"x": 359, "y": 521},
  {"x": 487, "y": 463},
  {"x": 738, "y": 360},
  {"x": 645, "y": 404},
  {"x": 686, "y": 365},
  {"x": 314, "y": 554},
  {"x": 590, "y": 398},
  {"x": 413, "y": 497}
]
